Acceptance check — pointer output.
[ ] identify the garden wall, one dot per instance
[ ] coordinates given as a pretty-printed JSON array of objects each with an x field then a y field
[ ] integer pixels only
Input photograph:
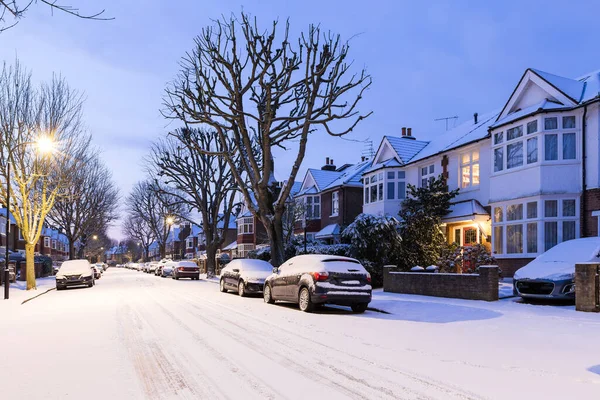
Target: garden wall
[{"x": 482, "y": 286}]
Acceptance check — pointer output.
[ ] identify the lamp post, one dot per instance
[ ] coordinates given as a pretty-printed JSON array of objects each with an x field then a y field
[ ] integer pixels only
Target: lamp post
[
  {"x": 45, "y": 145},
  {"x": 169, "y": 220}
]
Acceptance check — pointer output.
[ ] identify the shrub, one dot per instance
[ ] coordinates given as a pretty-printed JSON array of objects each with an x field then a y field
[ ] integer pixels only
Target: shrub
[{"x": 457, "y": 259}]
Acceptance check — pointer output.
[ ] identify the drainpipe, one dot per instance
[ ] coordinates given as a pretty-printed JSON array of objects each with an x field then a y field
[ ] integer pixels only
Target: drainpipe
[{"x": 583, "y": 176}]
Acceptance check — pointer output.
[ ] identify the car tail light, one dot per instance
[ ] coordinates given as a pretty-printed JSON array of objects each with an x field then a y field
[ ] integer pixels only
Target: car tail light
[
  {"x": 368, "y": 277},
  {"x": 320, "y": 276},
  {"x": 181, "y": 268}
]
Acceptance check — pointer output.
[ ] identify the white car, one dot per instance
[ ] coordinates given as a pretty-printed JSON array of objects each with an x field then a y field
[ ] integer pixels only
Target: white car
[
  {"x": 551, "y": 275},
  {"x": 75, "y": 273}
]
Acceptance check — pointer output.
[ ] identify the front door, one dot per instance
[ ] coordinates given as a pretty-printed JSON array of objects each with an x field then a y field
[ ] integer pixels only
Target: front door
[{"x": 469, "y": 239}]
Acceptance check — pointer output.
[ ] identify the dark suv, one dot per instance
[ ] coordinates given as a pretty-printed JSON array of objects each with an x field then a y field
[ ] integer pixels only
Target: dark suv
[{"x": 315, "y": 279}]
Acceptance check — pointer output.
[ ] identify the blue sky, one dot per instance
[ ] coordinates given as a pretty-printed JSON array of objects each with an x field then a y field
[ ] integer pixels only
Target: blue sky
[{"x": 428, "y": 60}]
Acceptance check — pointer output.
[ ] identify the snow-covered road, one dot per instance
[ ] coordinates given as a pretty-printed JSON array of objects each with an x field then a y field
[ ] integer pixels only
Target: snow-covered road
[{"x": 137, "y": 336}]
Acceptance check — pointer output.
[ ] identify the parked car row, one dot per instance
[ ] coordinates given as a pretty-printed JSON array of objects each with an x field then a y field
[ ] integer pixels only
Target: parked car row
[
  {"x": 168, "y": 268},
  {"x": 310, "y": 281}
]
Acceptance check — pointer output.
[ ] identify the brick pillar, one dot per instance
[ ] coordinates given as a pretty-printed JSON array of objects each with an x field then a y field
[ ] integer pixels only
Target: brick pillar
[
  {"x": 488, "y": 281},
  {"x": 587, "y": 287}
]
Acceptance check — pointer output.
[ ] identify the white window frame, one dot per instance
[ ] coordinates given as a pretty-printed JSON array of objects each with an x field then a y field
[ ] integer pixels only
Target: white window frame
[
  {"x": 540, "y": 219},
  {"x": 53, "y": 244},
  {"x": 426, "y": 177},
  {"x": 541, "y": 135},
  {"x": 245, "y": 226},
  {"x": 189, "y": 243},
  {"x": 470, "y": 164},
  {"x": 311, "y": 207},
  {"x": 46, "y": 242},
  {"x": 335, "y": 203}
]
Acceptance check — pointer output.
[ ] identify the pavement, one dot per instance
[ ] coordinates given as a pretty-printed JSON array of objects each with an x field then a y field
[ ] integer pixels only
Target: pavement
[{"x": 138, "y": 336}]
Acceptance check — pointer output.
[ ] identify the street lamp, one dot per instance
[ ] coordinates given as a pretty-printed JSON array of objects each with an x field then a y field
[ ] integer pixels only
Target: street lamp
[
  {"x": 44, "y": 145},
  {"x": 169, "y": 220},
  {"x": 95, "y": 237}
]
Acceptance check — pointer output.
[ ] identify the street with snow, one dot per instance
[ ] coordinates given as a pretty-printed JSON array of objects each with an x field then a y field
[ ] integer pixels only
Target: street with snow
[{"x": 138, "y": 336}]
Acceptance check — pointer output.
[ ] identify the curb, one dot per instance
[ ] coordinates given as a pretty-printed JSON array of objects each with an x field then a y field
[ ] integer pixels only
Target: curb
[{"x": 36, "y": 296}]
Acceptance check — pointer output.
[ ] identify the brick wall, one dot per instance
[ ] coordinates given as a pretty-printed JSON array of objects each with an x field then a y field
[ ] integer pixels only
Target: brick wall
[
  {"x": 587, "y": 282},
  {"x": 589, "y": 224},
  {"x": 482, "y": 286},
  {"x": 509, "y": 266}
]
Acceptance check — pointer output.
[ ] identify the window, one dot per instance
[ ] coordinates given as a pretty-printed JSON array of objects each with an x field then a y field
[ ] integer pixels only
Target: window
[
  {"x": 498, "y": 214},
  {"x": 550, "y": 123},
  {"x": 401, "y": 190},
  {"x": 244, "y": 249},
  {"x": 514, "y": 212},
  {"x": 532, "y": 237},
  {"x": 470, "y": 236},
  {"x": 246, "y": 225},
  {"x": 381, "y": 191},
  {"x": 391, "y": 188},
  {"x": 551, "y": 147},
  {"x": 551, "y": 208},
  {"x": 532, "y": 210},
  {"x": 469, "y": 168},
  {"x": 532, "y": 153},
  {"x": 457, "y": 237},
  {"x": 514, "y": 155},
  {"x": 391, "y": 175},
  {"x": 498, "y": 137},
  {"x": 313, "y": 207},
  {"x": 499, "y": 159},
  {"x": 54, "y": 244},
  {"x": 568, "y": 230},
  {"x": 47, "y": 242},
  {"x": 427, "y": 175},
  {"x": 568, "y": 146},
  {"x": 189, "y": 244},
  {"x": 401, "y": 174},
  {"x": 514, "y": 239},
  {"x": 532, "y": 127},
  {"x": 568, "y": 122},
  {"x": 335, "y": 203},
  {"x": 498, "y": 236},
  {"x": 514, "y": 133},
  {"x": 550, "y": 234},
  {"x": 568, "y": 208}
]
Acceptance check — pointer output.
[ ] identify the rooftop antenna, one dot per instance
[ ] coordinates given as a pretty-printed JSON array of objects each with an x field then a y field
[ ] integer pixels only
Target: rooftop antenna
[
  {"x": 447, "y": 119},
  {"x": 368, "y": 152}
]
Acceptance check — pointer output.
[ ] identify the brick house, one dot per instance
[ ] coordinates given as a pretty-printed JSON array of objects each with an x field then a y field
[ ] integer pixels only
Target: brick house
[{"x": 332, "y": 199}]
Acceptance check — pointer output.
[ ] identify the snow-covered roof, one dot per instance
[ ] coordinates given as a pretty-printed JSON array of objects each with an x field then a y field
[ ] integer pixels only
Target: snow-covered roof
[
  {"x": 572, "y": 88},
  {"x": 469, "y": 209},
  {"x": 231, "y": 225},
  {"x": 328, "y": 231},
  {"x": 406, "y": 147},
  {"x": 231, "y": 246},
  {"x": 543, "y": 105},
  {"x": 323, "y": 178},
  {"x": 463, "y": 134},
  {"x": 310, "y": 190},
  {"x": 350, "y": 176},
  {"x": 392, "y": 162}
]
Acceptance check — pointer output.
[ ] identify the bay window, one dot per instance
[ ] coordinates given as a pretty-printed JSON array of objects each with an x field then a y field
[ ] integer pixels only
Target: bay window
[
  {"x": 245, "y": 225},
  {"x": 392, "y": 181}
]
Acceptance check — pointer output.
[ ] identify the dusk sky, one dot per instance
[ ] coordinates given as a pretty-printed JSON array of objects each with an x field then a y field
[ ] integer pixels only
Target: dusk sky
[{"x": 427, "y": 59}]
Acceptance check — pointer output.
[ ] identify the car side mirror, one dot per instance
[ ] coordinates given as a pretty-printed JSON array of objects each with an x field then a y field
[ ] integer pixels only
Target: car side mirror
[
  {"x": 236, "y": 270},
  {"x": 275, "y": 270}
]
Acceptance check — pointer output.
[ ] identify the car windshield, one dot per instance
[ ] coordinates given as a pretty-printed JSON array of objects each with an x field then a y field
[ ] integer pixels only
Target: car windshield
[{"x": 577, "y": 250}]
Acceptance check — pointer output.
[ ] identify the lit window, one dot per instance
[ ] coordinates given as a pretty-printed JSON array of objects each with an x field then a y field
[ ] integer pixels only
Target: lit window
[{"x": 470, "y": 169}]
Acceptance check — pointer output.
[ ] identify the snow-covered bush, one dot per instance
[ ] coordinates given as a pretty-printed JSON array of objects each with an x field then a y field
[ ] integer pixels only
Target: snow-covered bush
[
  {"x": 315, "y": 248},
  {"x": 457, "y": 259}
]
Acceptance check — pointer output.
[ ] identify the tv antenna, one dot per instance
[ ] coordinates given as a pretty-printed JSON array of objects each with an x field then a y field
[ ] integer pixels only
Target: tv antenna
[
  {"x": 368, "y": 151},
  {"x": 448, "y": 119}
]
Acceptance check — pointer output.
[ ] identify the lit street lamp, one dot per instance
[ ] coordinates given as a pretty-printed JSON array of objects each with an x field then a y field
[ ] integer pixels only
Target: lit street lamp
[
  {"x": 44, "y": 145},
  {"x": 95, "y": 237}
]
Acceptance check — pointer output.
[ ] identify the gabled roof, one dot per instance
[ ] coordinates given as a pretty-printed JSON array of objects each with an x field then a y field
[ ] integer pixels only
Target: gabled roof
[
  {"x": 350, "y": 176},
  {"x": 571, "y": 88},
  {"x": 323, "y": 178},
  {"x": 392, "y": 162},
  {"x": 405, "y": 147},
  {"x": 592, "y": 85},
  {"x": 543, "y": 105}
]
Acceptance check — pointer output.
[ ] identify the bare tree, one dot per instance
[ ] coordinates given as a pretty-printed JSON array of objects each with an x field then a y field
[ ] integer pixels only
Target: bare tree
[
  {"x": 51, "y": 116},
  {"x": 87, "y": 206},
  {"x": 138, "y": 229},
  {"x": 256, "y": 89},
  {"x": 16, "y": 9},
  {"x": 295, "y": 213},
  {"x": 202, "y": 181},
  {"x": 157, "y": 208}
]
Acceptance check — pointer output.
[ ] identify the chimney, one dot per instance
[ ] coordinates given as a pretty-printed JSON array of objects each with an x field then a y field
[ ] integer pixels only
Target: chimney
[
  {"x": 328, "y": 165},
  {"x": 475, "y": 118},
  {"x": 409, "y": 132},
  {"x": 403, "y": 131}
]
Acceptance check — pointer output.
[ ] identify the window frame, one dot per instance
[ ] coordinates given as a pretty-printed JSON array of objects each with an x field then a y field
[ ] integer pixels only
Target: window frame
[
  {"x": 335, "y": 203},
  {"x": 470, "y": 165}
]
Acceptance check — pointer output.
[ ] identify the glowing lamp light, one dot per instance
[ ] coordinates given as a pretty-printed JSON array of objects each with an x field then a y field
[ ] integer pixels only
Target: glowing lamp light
[{"x": 45, "y": 145}]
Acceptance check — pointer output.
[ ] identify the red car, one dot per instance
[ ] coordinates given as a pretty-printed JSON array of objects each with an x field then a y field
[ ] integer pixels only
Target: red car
[{"x": 186, "y": 269}]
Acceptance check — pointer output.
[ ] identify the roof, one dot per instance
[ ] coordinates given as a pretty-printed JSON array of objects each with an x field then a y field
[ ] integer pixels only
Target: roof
[
  {"x": 405, "y": 147},
  {"x": 468, "y": 209},
  {"x": 232, "y": 223},
  {"x": 571, "y": 88},
  {"x": 323, "y": 178},
  {"x": 350, "y": 176},
  {"x": 392, "y": 162},
  {"x": 295, "y": 188},
  {"x": 231, "y": 246},
  {"x": 328, "y": 231},
  {"x": 543, "y": 105}
]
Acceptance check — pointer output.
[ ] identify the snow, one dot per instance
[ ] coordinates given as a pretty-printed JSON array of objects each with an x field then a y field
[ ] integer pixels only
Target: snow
[
  {"x": 328, "y": 231},
  {"x": 559, "y": 262},
  {"x": 571, "y": 87},
  {"x": 74, "y": 267},
  {"x": 462, "y": 209},
  {"x": 164, "y": 339}
]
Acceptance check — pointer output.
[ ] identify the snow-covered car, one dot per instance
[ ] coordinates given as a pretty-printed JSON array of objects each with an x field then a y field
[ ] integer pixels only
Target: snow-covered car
[
  {"x": 100, "y": 267},
  {"x": 167, "y": 269},
  {"x": 97, "y": 272},
  {"x": 75, "y": 273},
  {"x": 185, "y": 269},
  {"x": 152, "y": 266},
  {"x": 314, "y": 279},
  {"x": 245, "y": 276},
  {"x": 159, "y": 266},
  {"x": 551, "y": 275}
]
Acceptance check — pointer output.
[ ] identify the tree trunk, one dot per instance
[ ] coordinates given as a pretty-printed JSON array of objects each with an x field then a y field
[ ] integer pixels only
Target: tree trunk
[
  {"x": 163, "y": 251},
  {"x": 276, "y": 238},
  {"x": 30, "y": 266},
  {"x": 211, "y": 263},
  {"x": 72, "y": 250}
]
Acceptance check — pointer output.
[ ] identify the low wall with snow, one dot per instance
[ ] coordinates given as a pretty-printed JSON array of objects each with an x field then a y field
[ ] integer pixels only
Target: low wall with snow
[{"x": 481, "y": 286}]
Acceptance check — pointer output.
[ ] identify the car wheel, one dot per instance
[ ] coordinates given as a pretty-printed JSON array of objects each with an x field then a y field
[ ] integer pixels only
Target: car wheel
[
  {"x": 304, "y": 301},
  {"x": 241, "y": 289},
  {"x": 59, "y": 288},
  {"x": 90, "y": 284},
  {"x": 360, "y": 308},
  {"x": 222, "y": 286},
  {"x": 267, "y": 295},
  {"x": 176, "y": 278}
]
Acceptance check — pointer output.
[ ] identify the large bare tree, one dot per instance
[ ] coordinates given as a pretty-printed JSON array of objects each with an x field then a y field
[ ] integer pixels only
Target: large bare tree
[
  {"x": 11, "y": 11},
  {"x": 138, "y": 229},
  {"x": 262, "y": 88},
  {"x": 87, "y": 206},
  {"x": 51, "y": 116},
  {"x": 202, "y": 181},
  {"x": 157, "y": 208}
]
